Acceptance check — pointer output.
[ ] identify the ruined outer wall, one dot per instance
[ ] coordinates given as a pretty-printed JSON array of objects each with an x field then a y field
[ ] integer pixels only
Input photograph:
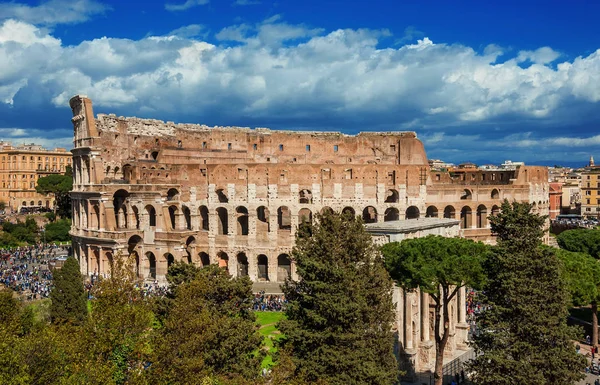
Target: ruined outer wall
[{"x": 235, "y": 196}]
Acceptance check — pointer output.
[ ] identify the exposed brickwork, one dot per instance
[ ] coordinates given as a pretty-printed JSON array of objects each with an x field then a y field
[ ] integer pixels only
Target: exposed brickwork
[{"x": 235, "y": 196}]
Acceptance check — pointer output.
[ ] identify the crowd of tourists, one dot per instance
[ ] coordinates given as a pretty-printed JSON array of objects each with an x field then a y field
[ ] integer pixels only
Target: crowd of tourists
[
  {"x": 25, "y": 270},
  {"x": 268, "y": 302}
]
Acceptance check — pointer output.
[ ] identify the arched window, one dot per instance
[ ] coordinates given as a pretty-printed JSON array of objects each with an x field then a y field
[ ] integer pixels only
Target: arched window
[
  {"x": 242, "y": 263},
  {"x": 412, "y": 212},
  {"x": 203, "y": 218},
  {"x": 495, "y": 194},
  {"x": 262, "y": 221},
  {"x": 173, "y": 194},
  {"x": 465, "y": 217},
  {"x": 369, "y": 214},
  {"x": 432, "y": 212},
  {"x": 242, "y": 220},
  {"x": 223, "y": 261},
  {"x": 223, "y": 221},
  {"x": 305, "y": 215},
  {"x": 221, "y": 196},
  {"x": 204, "y": 259},
  {"x": 151, "y": 212},
  {"x": 173, "y": 213},
  {"x": 391, "y": 214},
  {"x": 151, "y": 265},
  {"x": 391, "y": 196},
  {"x": 284, "y": 218},
  {"x": 263, "y": 267},
  {"x": 170, "y": 259},
  {"x": 495, "y": 210},
  {"x": 120, "y": 208},
  {"x": 305, "y": 197},
  {"x": 466, "y": 194},
  {"x": 481, "y": 216},
  {"x": 284, "y": 267},
  {"x": 187, "y": 215},
  {"x": 450, "y": 212}
]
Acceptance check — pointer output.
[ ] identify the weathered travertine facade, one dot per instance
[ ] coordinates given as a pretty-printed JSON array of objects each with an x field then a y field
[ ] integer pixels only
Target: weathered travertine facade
[{"x": 234, "y": 196}]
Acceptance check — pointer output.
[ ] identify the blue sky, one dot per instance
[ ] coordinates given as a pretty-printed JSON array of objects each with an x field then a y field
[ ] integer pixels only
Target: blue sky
[{"x": 476, "y": 81}]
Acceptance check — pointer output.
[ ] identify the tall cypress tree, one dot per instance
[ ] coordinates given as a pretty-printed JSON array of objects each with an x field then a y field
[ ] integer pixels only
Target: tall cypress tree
[
  {"x": 524, "y": 338},
  {"x": 340, "y": 312},
  {"x": 68, "y": 296}
]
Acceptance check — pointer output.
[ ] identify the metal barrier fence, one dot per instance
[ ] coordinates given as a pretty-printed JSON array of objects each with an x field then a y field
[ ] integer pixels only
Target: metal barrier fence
[{"x": 449, "y": 371}]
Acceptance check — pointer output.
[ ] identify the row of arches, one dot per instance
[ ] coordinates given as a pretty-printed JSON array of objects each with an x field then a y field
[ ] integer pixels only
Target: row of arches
[
  {"x": 152, "y": 269},
  {"x": 466, "y": 215}
]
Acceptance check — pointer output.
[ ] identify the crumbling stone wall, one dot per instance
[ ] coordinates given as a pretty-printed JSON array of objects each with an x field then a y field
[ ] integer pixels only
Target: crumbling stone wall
[{"x": 235, "y": 196}]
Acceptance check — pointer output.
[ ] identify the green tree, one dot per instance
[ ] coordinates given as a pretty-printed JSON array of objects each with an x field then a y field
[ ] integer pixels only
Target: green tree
[
  {"x": 209, "y": 328},
  {"x": 438, "y": 266},
  {"x": 15, "y": 322},
  {"x": 584, "y": 241},
  {"x": 581, "y": 240},
  {"x": 119, "y": 330},
  {"x": 58, "y": 231},
  {"x": 59, "y": 186},
  {"x": 523, "y": 336},
  {"x": 340, "y": 312},
  {"x": 68, "y": 296}
]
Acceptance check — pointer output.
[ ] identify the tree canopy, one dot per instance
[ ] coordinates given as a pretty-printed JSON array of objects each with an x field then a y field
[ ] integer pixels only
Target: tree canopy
[
  {"x": 438, "y": 266},
  {"x": 523, "y": 336},
  {"x": 59, "y": 185},
  {"x": 340, "y": 311},
  {"x": 68, "y": 297},
  {"x": 581, "y": 240}
]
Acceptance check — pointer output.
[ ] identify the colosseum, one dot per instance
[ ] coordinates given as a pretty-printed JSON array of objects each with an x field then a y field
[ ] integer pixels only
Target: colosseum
[{"x": 234, "y": 196}]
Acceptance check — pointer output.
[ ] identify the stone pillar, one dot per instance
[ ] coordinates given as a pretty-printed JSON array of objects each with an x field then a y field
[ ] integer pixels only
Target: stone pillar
[{"x": 462, "y": 327}]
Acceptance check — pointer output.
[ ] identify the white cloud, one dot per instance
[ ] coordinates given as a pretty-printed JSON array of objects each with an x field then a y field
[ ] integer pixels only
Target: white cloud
[
  {"x": 187, "y": 5},
  {"x": 278, "y": 72},
  {"x": 189, "y": 31},
  {"x": 543, "y": 55},
  {"x": 53, "y": 12}
]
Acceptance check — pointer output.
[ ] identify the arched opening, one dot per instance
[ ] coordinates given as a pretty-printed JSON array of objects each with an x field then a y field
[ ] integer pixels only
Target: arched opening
[
  {"x": 242, "y": 220},
  {"x": 172, "y": 194},
  {"x": 242, "y": 264},
  {"x": 305, "y": 216},
  {"x": 369, "y": 214},
  {"x": 133, "y": 248},
  {"x": 119, "y": 198},
  {"x": 151, "y": 265},
  {"x": 481, "y": 216},
  {"x": 305, "y": 197},
  {"x": 96, "y": 217},
  {"x": 170, "y": 259},
  {"x": 391, "y": 196},
  {"x": 263, "y": 267},
  {"x": 262, "y": 223},
  {"x": 413, "y": 212},
  {"x": 495, "y": 194},
  {"x": 187, "y": 216},
  {"x": 432, "y": 212},
  {"x": 450, "y": 212},
  {"x": 391, "y": 214},
  {"x": 203, "y": 218},
  {"x": 221, "y": 196},
  {"x": 173, "y": 213},
  {"x": 284, "y": 218},
  {"x": 151, "y": 212},
  {"x": 465, "y": 217},
  {"x": 466, "y": 194},
  {"x": 224, "y": 261},
  {"x": 284, "y": 267},
  {"x": 348, "y": 211},
  {"x": 190, "y": 249},
  {"x": 204, "y": 259},
  {"x": 495, "y": 210},
  {"x": 136, "y": 215},
  {"x": 223, "y": 222},
  {"x": 40, "y": 203}
]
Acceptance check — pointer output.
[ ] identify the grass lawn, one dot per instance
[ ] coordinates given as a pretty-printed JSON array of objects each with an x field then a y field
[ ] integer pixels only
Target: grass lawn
[
  {"x": 267, "y": 321},
  {"x": 41, "y": 309}
]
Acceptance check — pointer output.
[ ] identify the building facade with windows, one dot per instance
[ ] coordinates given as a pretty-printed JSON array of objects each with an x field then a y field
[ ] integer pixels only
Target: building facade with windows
[
  {"x": 21, "y": 167},
  {"x": 590, "y": 192},
  {"x": 164, "y": 192}
]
